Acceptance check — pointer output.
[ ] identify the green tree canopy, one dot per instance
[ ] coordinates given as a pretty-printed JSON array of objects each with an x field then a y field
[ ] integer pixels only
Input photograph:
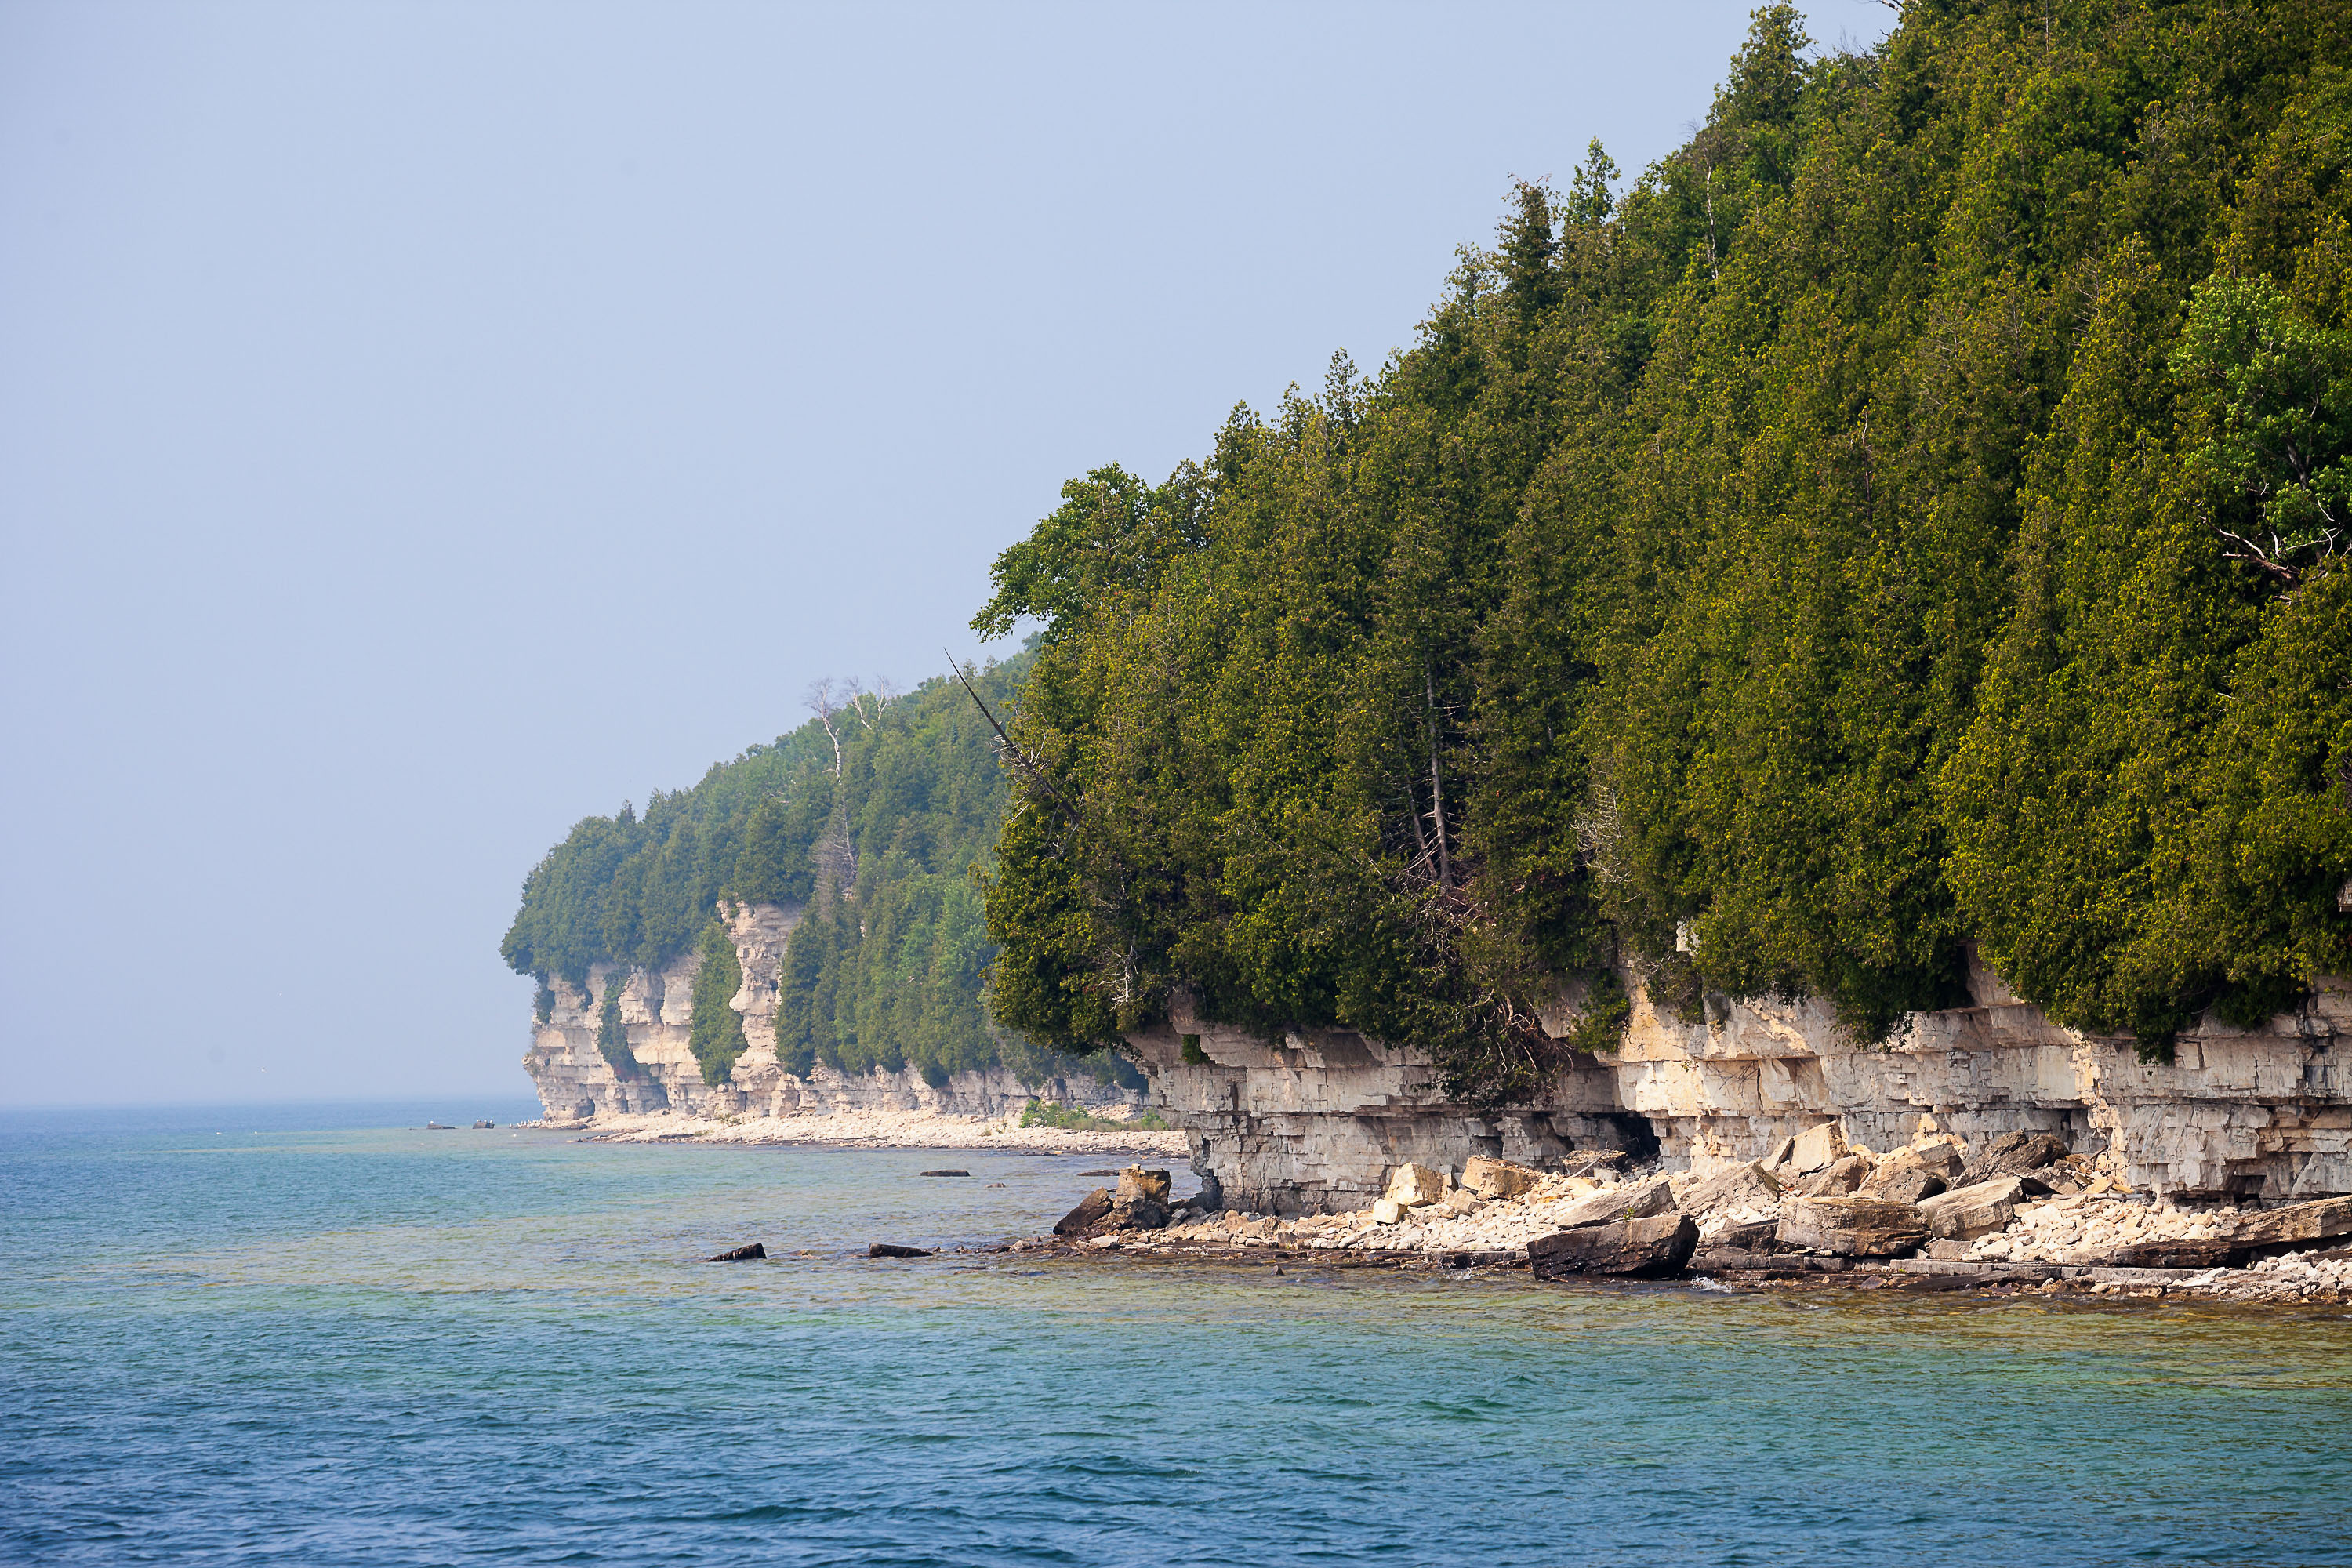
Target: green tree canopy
[{"x": 1904, "y": 520}]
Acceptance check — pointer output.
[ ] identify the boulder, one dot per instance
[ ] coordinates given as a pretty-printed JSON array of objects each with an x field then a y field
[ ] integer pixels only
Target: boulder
[
  {"x": 1816, "y": 1148},
  {"x": 1653, "y": 1248},
  {"x": 1493, "y": 1178},
  {"x": 1905, "y": 1185},
  {"x": 1092, "y": 1210},
  {"x": 1945, "y": 1157},
  {"x": 1979, "y": 1209},
  {"x": 1387, "y": 1211},
  {"x": 742, "y": 1254},
  {"x": 1748, "y": 1187},
  {"x": 2218, "y": 1252},
  {"x": 1840, "y": 1177},
  {"x": 1135, "y": 1214},
  {"x": 1852, "y": 1228},
  {"x": 1755, "y": 1236},
  {"x": 1414, "y": 1184},
  {"x": 2014, "y": 1154},
  {"x": 1136, "y": 1185},
  {"x": 2321, "y": 1221},
  {"x": 892, "y": 1249},
  {"x": 1642, "y": 1200}
]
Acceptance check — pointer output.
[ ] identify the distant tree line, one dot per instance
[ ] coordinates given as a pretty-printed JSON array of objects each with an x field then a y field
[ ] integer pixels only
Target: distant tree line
[
  {"x": 873, "y": 816},
  {"x": 1909, "y": 517}
]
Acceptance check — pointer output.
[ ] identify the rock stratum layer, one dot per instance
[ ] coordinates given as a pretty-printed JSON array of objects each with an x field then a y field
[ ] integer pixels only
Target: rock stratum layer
[
  {"x": 1316, "y": 1124},
  {"x": 576, "y": 1083}
]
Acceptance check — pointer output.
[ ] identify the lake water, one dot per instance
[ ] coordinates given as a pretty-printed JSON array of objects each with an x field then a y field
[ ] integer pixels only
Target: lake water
[{"x": 316, "y": 1338}]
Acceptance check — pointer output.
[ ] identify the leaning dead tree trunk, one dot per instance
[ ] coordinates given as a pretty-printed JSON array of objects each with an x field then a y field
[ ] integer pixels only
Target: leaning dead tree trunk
[
  {"x": 1436, "y": 784},
  {"x": 1028, "y": 767}
]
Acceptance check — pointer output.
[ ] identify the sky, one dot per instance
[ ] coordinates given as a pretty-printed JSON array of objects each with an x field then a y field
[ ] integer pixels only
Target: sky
[{"x": 423, "y": 426}]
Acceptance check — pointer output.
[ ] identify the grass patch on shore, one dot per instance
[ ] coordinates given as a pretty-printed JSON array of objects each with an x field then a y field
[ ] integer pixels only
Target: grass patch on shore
[{"x": 1049, "y": 1114}]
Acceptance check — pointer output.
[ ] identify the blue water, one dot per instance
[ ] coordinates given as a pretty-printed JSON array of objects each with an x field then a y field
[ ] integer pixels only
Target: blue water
[{"x": 313, "y": 1337}]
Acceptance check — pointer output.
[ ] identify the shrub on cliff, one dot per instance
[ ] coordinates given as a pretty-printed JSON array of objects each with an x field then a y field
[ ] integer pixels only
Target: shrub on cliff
[
  {"x": 716, "y": 1035},
  {"x": 613, "y": 1035},
  {"x": 1904, "y": 517}
]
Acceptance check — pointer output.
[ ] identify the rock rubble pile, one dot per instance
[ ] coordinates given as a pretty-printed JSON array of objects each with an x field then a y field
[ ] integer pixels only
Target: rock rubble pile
[{"x": 2022, "y": 1210}]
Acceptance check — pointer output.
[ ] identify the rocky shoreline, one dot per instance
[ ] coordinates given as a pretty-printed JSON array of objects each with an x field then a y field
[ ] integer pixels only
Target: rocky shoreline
[
  {"x": 880, "y": 1128},
  {"x": 2020, "y": 1214}
]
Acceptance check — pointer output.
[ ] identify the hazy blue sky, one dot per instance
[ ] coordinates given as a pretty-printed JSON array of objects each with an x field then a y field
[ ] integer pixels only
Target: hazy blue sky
[{"x": 422, "y": 426}]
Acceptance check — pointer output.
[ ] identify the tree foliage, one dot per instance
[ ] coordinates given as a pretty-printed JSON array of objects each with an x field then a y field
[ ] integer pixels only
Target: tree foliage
[
  {"x": 1898, "y": 521},
  {"x": 887, "y": 967},
  {"x": 716, "y": 1029}
]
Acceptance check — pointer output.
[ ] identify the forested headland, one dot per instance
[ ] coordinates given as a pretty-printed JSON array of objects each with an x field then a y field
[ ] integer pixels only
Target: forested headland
[
  {"x": 1907, "y": 518},
  {"x": 872, "y": 814}
]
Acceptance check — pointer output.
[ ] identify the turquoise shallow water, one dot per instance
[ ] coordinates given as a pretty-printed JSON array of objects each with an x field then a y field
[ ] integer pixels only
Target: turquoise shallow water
[{"x": 299, "y": 1336}]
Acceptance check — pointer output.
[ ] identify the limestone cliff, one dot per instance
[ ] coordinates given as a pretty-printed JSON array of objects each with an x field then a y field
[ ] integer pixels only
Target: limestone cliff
[
  {"x": 575, "y": 1082},
  {"x": 1315, "y": 1123}
]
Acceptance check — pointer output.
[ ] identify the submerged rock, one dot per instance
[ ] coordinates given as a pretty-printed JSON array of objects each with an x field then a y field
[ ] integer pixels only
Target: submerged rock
[
  {"x": 892, "y": 1249},
  {"x": 758, "y": 1250}
]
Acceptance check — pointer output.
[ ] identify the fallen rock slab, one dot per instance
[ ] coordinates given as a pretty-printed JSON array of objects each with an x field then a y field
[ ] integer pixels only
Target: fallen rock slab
[
  {"x": 1653, "y": 1248},
  {"x": 1903, "y": 1185},
  {"x": 2199, "y": 1253},
  {"x": 2322, "y": 1221},
  {"x": 1748, "y": 1187},
  {"x": 1730, "y": 1260},
  {"x": 1492, "y": 1178},
  {"x": 2139, "y": 1276},
  {"x": 1840, "y": 1176},
  {"x": 1852, "y": 1228},
  {"x": 1611, "y": 1205},
  {"x": 742, "y": 1254},
  {"x": 1137, "y": 1186},
  {"x": 2014, "y": 1154},
  {"x": 1979, "y": 1209},
  {"x": 1135, "y": 1214},
  {"x": 1755, "y": 1236},
  {"x": 1815, "y": 1148},
  {"x": 1092, "y": 1210},
  {"x": 1415, "y": 1184}
]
